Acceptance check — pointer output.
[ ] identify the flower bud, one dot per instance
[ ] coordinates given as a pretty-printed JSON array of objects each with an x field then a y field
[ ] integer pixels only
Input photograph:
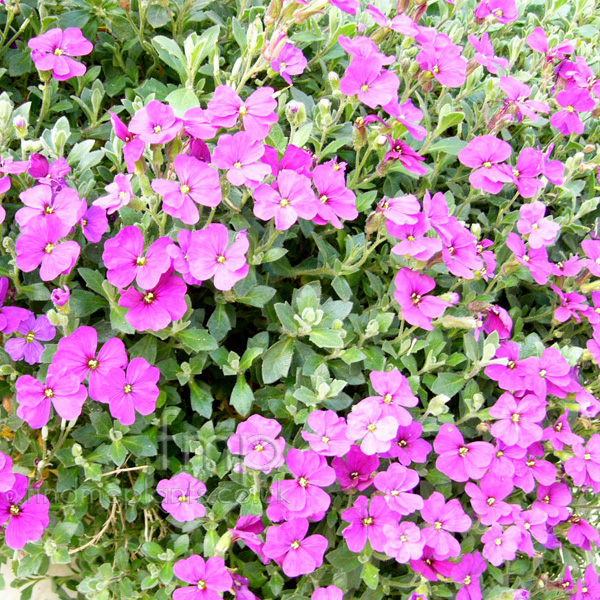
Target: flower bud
[
  {"x": 60, "y": 296},
  {"x": 295, "y": 113},
  {"x": 20, "y": 126}
]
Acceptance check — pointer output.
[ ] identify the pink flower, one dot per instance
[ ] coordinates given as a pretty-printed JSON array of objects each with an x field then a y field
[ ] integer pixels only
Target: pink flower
[
  {"x": 418, "y": 308},
  {"x": 256, "y": 439},
  {"x": 132, "y": 390},
  {"x": 487, "y": 498},
  {"x": 584, "y": 467},
  {"x": 119, "y": 194},
  {"x": 303, "y": 496},
  {"x": 526, "y": 173},
  {"x": 134, "y": 146},
  {"x": 198, "y": 125},
  {"x": 7, "y": 477},
  {"x": 574, "y": 101},
  {"x": 156, "y": 123},
  {"x": 414, "y": 241},
  {"x": 62, "y": 389},
  {"x": 52, "y": 51},
  {"x": 240, "y": 155},
  {"x": 367, "y": 422},
  {"x": 329, "y": 438},
  {"x": 210, "y": 255},
  {"x": 403, "y": 153},
  {"x": 363, "y": 47},
  {"x": 504, "y": 11},
  {"x": 501, "y": 545},
  {"x": 24, "y": 521},
  {"x": 400, "y": 23},
  {"x": 394, "y": 394},
  {"x": 182, "y": 495},
  {"x": 487, "y": 154},
  {"x": 408, "y": 447},
  {"x": 510, "y": 376},
  {"x": 357, "y": 470},
  {"x": 94, "y": 223},
  {"x": 77, "y": 353},
  {"x": 60, "y": 296},
  {"x": 532, "y": 523},
  {"x": 409, "y": 115},
  {"x": 42, "y": 204},
  {"x": 498, "y": 319},
  {"x": 443, "y": 518},
  {"x": 404, "y": 542},
  {"x": 542, "y": 232},
  {"x": 536, "y": 259},
  {"x": 289, "y": 61},
  {"x": 468, "y": 572},
  {"x": 445, "y": 64},
  {"x": 28, "y": 347},
  {"x": 257, "y": 112},
  {"x": 560, "y": 434},
  {"x": 330, "y": 592},
  {"x": 179, "y": 254},
  {"x": 335, "y": 200},
  {"x": 538, "y": 40},
  {"x": 517, "y": 93},
  {"x": 198, "y": 184},
  {"x": 582, "y": 534},
  {"x": 209, "y": 579},
  {"x": 519, "y": 419},
  {"x": 459, "y": 249},
  {"x": 571, "y": 304},
  {"x": 458, "y": 460},
  {"x": 126, "y": 260},
  {"x": 366, "y": 79},
  {"x": 551, "y": 374},
  {"x": 367, "y": 523},
  {"x": 296, "y": 553},
  {"x": 429, "y": 566},
  {"x": 396, "y": 484},
  {"x": 530, "y": 469},
  {"x": 592, "y": 252},
  {"x": 293, "y": 198},
  {"x": 484, "y": 54}
]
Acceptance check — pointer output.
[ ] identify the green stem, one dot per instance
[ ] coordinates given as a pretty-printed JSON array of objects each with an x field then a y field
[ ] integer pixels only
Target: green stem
[{"x": 46, "y": 99}]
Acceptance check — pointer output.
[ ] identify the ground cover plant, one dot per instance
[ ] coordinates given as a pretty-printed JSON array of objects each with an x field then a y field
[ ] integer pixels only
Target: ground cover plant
[{"x": 300, "y": 300}]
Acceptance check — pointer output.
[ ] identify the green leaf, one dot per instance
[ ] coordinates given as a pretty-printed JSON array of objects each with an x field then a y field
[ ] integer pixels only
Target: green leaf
[
  {"x": 202, "y": 400},
  {"x": 448, "y": 384},
  {"x": 277, "y": 360},
  {"x": 171, "y": 54},
  {"x": 36, "y": 291},
  {"x": 242, "y": 397},
  {"x": 84, "y": 303},
  {"x": 326, "y": 338},
  {"x": 258, "y": 296},
  {"x": 197, "y": 340},
  {"x": 370, "y": 575},
  {"x": 140, "y": 445},
  {"x": 448, "y": 119},
  {"x": 451, "y": 145},
  {"x": 118, "y": 452},
  {"x": 93, "y": 279},
  {"x": 118, "y": 321},
  {"x": 182, "y": 100}
]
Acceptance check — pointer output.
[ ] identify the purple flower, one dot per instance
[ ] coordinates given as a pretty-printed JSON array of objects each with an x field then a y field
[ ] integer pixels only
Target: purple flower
[
  {"x": 208, "y": 578},
  {"x": 408, "y": 447},
  {"x": 366, "y": 79},
  {"x": 290, "y": 548},
  {"x": 541, "y": 231},
  {"x": 28, "y": 347},
  {"x": 536, "y": 259},
  {"x": 429, "y": 566},
  {"x": 584, "y": 467},
  {"x": 24, "y": 521},
  {"x": 198, "y": 184},
  {"x": 487, "y": 154},
  {"x": 484, "y": 54},
  {"x": 210, "y": 255},
  {"x": 404, "y": 542},
  {"x": 240, "y": 155},
  {"x": 289, "y": 61},
  {"x": 367, "y": 523},
  {"x": 400, "y": 23},
  {"x": 94, "y": 223},
  {"x": 62, "y": 389},
  {"x": 516, "y": 102},
  {"x": 538, "y": 40},
  {"x": 256, "y": 439},
  {"x": 155, "y": 123},
  {"x": 412, "y": 293},
  {"x": 443, "y": 518},
  {"x": 458, "y": 460},
  {"x": 52, "y": 51},
  {"x": 119, "y": 194},
  {"x": 574, "y": 101},
  {"x": 126, "y": 260},
  {"x": 560, "y": 434},
  {"x": 500, "y": 545},
  {"x": 445, "y": 64},
  {"x": 356, "y": 471},
  {"x": 335, "y": 200},
  {"x": 459, "y": 249},
  {"x": 571, "y": 304},
  {"x": 247, "y": 529},
  {"x": 257, "y": 112},
  {"x": 568, "y": 268},
  {"x": 40, "y": 245},
  {"x": 77, "y": 353},
  {"x": 331, "y": 592},
  {"x": 43, "y": 204},
  {"x": 467, "y": 572},
  {"x": 530, "y": 166},
  {"x": 367, "y": 422},
  {"x": 134, "y": 146},
  {"x": 179, "y": 254},
  {"x": 588, "y": 588},
  {"x": 414, "y": 241},
  {"x": 504, "y": 11},
  {"x": 329, "y": 438},
  {"x": 293, "y": 198},
  {"x": 157, "y": 307},
  {"x": 582, "y": 534},
  {"x": 554, "y": 500},
  {"x": 403, "y": 153},
  {"x": 396, "y": 484},
  {"x": 182, "y": 495},
  {"x": 487, "y": 498},
  {"x": 518, "y": 419},
  {"x": 132, "y": 390},
  {"x": 498, "y": 319}
]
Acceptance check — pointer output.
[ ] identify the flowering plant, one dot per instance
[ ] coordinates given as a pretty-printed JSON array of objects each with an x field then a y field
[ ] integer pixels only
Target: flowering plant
[{"x": 301, "y": 299}]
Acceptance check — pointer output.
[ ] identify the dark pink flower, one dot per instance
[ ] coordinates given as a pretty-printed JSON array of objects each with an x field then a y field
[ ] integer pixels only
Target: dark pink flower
[
  {"x": 459, "y": 249},
  {"x": 366, "y": 79},
  {"x": 240, "y": 155},
  {"x": 363, "y": 47},
  {"x": 487, "y": 499},
  {"x": 519, "y": 419},
  {"x": 536, "y": 259},
  {"x": 179, "y": 255},
  {"x": 592, "y": 252},
  {"x": 367, "y": 523},
  {"x": 182, "y": 495},
  {"x": 394, "y": 393},
  {"x": 504, "y": 11},
  {"x": 497, "y": 319},
  {"x": 541, "y": 231},
  {"x": 584, "y": 467},
  {"x": 560, "y": 434},
  {"x": 401, "y": 210},
  {"x": 582, "y": 534},
  {"x": 484, "y": 54},
  {"x": 335, "y": 200},
  {"x": 574, "y": 101},
  {"x": 409, "y": 115},
  {"x": 396, "y": 483},
  {"x": 209, "y": 579},
  {"x": 501, "y": 544},
  {"x": 571, "y": 304},
  {"x": 467, "y": 572},
  {"x": 408, "y": 447},
  {"x": 414, "y": 241},
  {"x": 329, "y": 438},
  {"x": 134, "y": 146},
  {"x": 94, "y": 223},
  {"x": 403, "y": 153},
  {"x": 554, "y": 500},
  {"x": 289, "y": 61},
  {"x": 551, "y": 374},
  {"x": 400, "y": 23},
  {"x": 119, "y": 194},
  {"x": 530, "y": 166},
  {"x": 356, "y": 470},
  {"x": 445, "y": 64},
  {"x": 60, "y": 296},
  {"x": 517, "y": 103},
  {"x": 430, "y": 567},
  {"x": 156, "y": 123},
  {"x": 538, "y": 40},
  {"x": 487, "y": 154},
  {"x": 42, "y": 204}
]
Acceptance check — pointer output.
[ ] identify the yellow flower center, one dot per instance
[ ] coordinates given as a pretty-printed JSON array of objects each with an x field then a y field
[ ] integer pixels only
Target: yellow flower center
[
  {"x": 411, "y": 238},
  {"x": 58, "y": 52},
  {"x": 92, "y": 364},
  {"x": 516, "y": 418},
  {"x": 49, "y": 210},
  {"x": 467, "y": 580},
  {"x": 403, "y": 538},
  {"x": 157, "y": 129},
  {"x": 295, "y": 545},
  {"x": 368, "y": 521},
  {"x": 140, "y": 261},
  {"x": 284, "y": 202},
  {"x": 237, "y": 165},
  {"x": 388, "y": 398},
  {"x": 48, "y": 249},
  {"x": 491, "y": 501},
  {"x": 184, "y": 189},
  {"x": 221, "y": 259},
  {"x": 149, "y": 298},
  {"x": 325, "y": 439},
  {"x": 570, "y": 109},
  {"x": 487, "y": 164},
  {"x": 123, "y": 196},
  {"x": 498, "y": 541},
  {"x": 201, "y": 584},
  {"x": 49, "y": 393},
  {"x": 463, "y": 451},
  {"x": 587, "y": 456},
  {"x": 258, "y": 447},
  {"x": 324, "y": 199},
  {"x": 183, "y": 498},
  {"x": 14, "y": 510},
  {"x": 371, "y": 427},
  {"x": 416, "y": 298},
  {"x": 543, "y": 373},
  {"x": 30, "y": 337},
  {"x": 394, "y": 493},
  {"x": 364, "y": 87},
  {"x": 436, "y": 69},
  {"x": 303, "y": 482},
  {"x": 127, "y": 389},
  {"x": 243, "y": 111}
]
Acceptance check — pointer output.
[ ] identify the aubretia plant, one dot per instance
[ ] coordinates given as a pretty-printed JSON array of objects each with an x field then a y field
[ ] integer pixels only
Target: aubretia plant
[{"x": 300, "y": 300}]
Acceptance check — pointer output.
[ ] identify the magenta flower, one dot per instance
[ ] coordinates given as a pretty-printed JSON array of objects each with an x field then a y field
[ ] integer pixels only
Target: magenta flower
[
  {"x": 198, "y": 184},
  {"x": 501, "y": 544},
  {"x": 60, "y": 296},
  {"x": 582, "y": 534},
  {"x": 256, "y": 439},
  {"x": 536, "y": 259},
  {"x": 357, "y": 470},
  {"x": 126, "y": 260},
  {"x": 414, "y": 240},
  {"x": 443, "y": 518},
  {"x": 537, "y": 40},
  {"x": 335, "y": 200},
  {"x": 396, "y": 484},
  {"x": 554, "y": 500},
  {"x": 487, "y": 154},
  {"x": 179, "y": 254},
  {"x": 52, "y": 51},
  {"x": 40, "y": 245},
  {"x": 367, "y": 422},
  {"x": 445, "y": 64},
  {"x": 568, "y": 268},
  {"x": 247, "y": 529},
  {"x": 487, "y": 499},
  {"x": 366, "y": 79},
  {"x": 588, "y": 588},
  {"x": 182, "y": 495},
  {"x": 408, "y": 447},
  {"x": 504, "y": 11},
  {"x": 303, "y": 496},
  {"x": 257, "y": 112},
  {"x": 297, "y": 554},
  {"x": 28, "y": 347},
  {"x": 574, "y": 101},
  {"x": 210, "y": 255},
  {"x": 560, "y": 434},
  {"x": 404, "y": 542},
  {"x": 43, "y": 204},
  {"x": 516, "y": 102},
  {"x": 7, "y": 477},
  {"x": 294, "y": 159},
  {"x": 157, "y": 307},
  {"x": 519, "y": 419},
  {"x": 289, "y": 61},
  {"x": 119, "y": 194},
  {"x": 134, "y": 146},
  {"x": 132, "y": 390},
  {"x": 329, "y": 438},
  {"x": 155, "y": 123},
  {"x": 24, "y": 521},
  {"x": 77, "y": 353},
  {"x": 209, "y": 579},
  {"x": 402, "y": 210},
  {"x": 363, "y": 47},
  {"x": 403, "y": 153},
  {"x": 584, "y": 467},
  {"x": 529, "y": 469},
  {"x": 458, "y": 460},
  {"x": 198, "y": 125},
  {"x": 459, "y": 249},
  {"x": 418, "y": 307},
  {"x": 468, "y": 572},
  {"x": 571, "y": 304},
  {"x": 240, "y": 155},
  {"x": 293, "y": 198},
  {"x": 436, "y": 209},
  {"x": 367, "y": 523},
  {"x": 485, "y": 56},
  {"x": 62, "y": 389},
  {"x": 532, "y": 524},
  {"x": 551, "y": 374},
  {"x": 541, "y": 231},
  {"x": 429, "y": 566},
  {"x": 592, "y": 251},
  {"x": 331, "y": 592},
  {"x": 512, "y": 375},
  {"x": 530, "y": 165},
  {"x": 497, "y": 319},
  {"x": 394, "y": 393},
  {"x": 94, "y": 223},
  {"x": 409, "y": 115}
]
